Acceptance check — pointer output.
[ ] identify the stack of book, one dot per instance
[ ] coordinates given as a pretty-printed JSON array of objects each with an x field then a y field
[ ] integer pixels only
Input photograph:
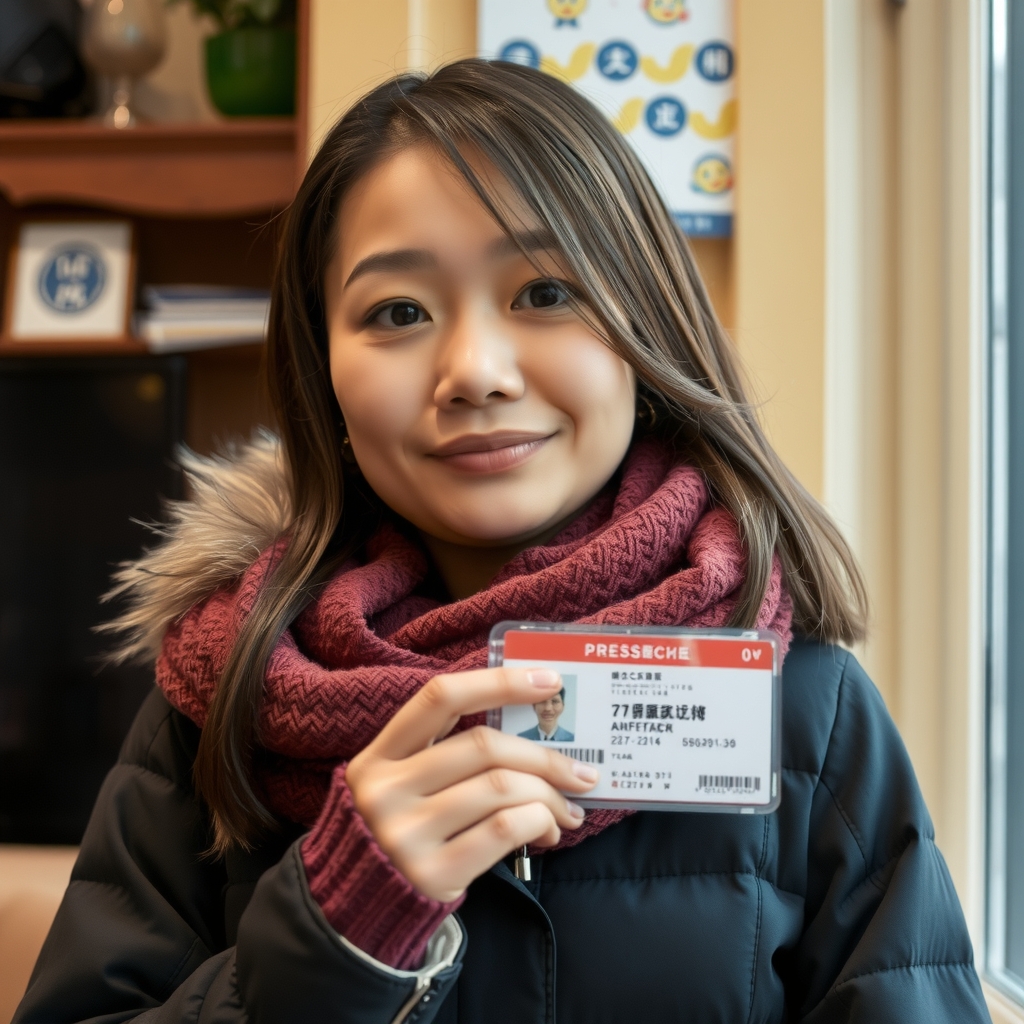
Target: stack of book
[{"x": 179, "y": 318}]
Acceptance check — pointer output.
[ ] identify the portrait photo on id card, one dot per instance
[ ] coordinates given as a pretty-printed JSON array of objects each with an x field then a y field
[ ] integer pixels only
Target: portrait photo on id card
[{"x": 552, "y": 720}]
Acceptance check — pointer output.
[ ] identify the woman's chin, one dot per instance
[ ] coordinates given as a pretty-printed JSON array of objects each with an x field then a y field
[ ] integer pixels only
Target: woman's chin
[{"x": 491, "y": 531}]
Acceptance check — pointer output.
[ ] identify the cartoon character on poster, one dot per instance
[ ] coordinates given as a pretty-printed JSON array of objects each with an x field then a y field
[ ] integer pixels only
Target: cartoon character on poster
[
  {"x": 566, "y": 12},
  {"x": 662, "y": 70},
  {"x": 664, "y": 12},
  {"x": 712, "y": 175}
]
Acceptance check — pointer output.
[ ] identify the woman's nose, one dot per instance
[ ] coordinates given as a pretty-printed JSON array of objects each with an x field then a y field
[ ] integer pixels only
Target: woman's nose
[{"x": 477, "y": 364}]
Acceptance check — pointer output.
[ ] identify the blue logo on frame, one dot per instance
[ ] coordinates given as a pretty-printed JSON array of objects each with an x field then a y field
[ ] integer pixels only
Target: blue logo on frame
[
  {"x": 520, "y": 51},
  {"x": 617, "y": 60},
  {"x": 714, "y": 62},
  {"x": 665, "y": 116},
  {"x": 72, "y": 278}
]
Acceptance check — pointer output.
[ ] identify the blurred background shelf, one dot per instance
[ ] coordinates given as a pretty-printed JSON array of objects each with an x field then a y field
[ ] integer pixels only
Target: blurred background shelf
[
  {"x": 208, "y": 246},
  {"x": 16, "y": 349},
  {"x": 201, "y": 169},
  {"x": 89, "y": 431},
  {"x": 233, "y": 353}
]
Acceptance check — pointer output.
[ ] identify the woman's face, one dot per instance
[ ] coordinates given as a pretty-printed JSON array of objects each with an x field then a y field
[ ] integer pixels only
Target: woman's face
[{"x": 478, "y": 405}]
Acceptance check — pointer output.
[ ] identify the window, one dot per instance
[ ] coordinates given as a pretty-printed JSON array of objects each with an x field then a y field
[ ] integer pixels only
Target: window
[{"x": 1005, "y": 945}]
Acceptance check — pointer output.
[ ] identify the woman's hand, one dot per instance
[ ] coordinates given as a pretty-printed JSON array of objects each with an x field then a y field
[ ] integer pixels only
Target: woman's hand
[{"x": 446, "y": 812}]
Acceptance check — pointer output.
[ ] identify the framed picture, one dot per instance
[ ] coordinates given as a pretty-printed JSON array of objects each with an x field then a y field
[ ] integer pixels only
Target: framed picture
[{"x": 70, "y": 280}]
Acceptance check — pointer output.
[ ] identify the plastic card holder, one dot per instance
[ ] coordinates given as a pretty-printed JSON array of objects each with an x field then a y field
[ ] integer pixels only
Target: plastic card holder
[{"x": 675, "y": 719}]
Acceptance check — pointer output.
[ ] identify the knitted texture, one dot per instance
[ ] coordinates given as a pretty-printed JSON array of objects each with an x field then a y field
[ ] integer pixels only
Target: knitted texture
[
  {"x": 651, "y": 551},
  {"x": 360, "y": 891}
]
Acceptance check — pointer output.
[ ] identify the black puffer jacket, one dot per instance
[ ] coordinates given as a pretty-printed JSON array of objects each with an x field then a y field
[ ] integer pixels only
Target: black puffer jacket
[{"x": 838, "y": 907}]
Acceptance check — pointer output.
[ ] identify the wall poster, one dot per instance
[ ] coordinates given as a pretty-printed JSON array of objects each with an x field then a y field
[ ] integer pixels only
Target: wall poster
[{"x": 662, "y": 70}]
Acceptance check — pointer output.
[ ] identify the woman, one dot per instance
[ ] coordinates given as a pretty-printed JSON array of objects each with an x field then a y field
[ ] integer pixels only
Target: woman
[{"x": 502, "y": 394}]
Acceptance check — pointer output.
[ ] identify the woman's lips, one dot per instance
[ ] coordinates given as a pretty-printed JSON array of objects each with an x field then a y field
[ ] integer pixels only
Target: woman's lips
[{"x": 490, "y": 453}]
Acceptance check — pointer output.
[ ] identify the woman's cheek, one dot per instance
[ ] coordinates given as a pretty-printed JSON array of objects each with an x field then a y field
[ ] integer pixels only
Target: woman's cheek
[
  {"x": 378, "y": 424},
  {"x": 377, "y": 404},
  {"x": 593, "y": 386}
]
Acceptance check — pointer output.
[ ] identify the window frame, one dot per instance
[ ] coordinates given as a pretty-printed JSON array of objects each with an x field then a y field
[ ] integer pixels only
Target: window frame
[{"x": 1008, "y": 983}]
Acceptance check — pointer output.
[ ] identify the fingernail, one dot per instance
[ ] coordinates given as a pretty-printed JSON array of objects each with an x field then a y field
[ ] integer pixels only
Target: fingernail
[
  {"x": 542, "y": 678},
  {"x": 574, "y": 809},
  {"x": 584, "y": 771}
]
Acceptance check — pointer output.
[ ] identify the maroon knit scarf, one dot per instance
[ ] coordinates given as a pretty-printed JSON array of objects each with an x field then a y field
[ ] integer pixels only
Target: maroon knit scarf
[{"x": 654, "y": 553}]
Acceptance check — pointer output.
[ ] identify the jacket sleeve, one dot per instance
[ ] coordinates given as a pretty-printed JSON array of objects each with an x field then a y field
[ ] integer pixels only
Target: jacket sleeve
[
  {"x": 139, "y": 934},
  {"x": 885, "y": 939}
]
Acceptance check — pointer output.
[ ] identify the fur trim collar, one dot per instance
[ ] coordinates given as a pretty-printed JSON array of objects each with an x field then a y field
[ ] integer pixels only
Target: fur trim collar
[{"x": 239, "y": 505}]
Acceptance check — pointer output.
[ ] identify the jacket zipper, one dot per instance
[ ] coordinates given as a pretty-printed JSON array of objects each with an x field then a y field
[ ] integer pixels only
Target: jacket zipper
[{"x": 421, "y": 993}]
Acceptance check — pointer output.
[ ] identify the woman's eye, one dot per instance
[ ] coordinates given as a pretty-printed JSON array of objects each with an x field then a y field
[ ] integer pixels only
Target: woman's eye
[
  {"x": 541, "y": 295},
  {"x": 399, "y": 314}
]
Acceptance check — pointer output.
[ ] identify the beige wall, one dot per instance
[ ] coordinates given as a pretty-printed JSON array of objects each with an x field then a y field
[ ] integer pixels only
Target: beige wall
[
  {"x": 354, "y": 45},
  {"x": 913, "y": 472},
  {"x": 780, "y": 223}
]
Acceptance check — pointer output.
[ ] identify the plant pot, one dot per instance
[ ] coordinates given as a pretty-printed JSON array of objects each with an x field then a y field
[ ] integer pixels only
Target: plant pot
[{"x": 251, "y": 71}]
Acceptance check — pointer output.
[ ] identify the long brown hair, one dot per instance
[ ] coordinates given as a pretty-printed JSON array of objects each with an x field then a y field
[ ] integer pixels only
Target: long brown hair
[{"x": 639, "y": 287}]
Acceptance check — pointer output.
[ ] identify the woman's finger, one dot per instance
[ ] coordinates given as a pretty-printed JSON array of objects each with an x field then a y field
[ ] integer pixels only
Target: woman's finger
[
  {"x": 477, "y": 750},
  {"x": 462, "y": 806},
  {"x": 446, "y": 698},
  {"x": 479, "y": 848}
]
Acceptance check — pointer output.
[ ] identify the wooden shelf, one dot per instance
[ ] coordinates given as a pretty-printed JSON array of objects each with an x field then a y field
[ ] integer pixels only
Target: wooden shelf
[
  {"x": 130, "y": 347},
  {"x": 220, "y": 169},
  {"x": 13, "y": 349}
]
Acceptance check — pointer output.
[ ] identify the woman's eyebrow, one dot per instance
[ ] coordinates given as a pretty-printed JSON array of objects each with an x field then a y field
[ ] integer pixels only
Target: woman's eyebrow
[
  {"x": 397, "y": 259},
  {"x": 530, "y": 241},
  {"x": 423, "y": 259}
]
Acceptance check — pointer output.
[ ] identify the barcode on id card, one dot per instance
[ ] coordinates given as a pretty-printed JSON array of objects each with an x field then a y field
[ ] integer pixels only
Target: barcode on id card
[
  {"x": 591, "y": 754},
  {"x": 730, "y": 782}
]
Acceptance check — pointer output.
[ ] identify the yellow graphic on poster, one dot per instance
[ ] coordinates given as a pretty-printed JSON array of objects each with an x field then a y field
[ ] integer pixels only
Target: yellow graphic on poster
[
  {"x": 629, "y": 116},
  {"x": 678, "y": 65},
  {"x": 579, "y": 63},
  {"x": 722, "y": 128},
  {"x": 661, "y": 70}
]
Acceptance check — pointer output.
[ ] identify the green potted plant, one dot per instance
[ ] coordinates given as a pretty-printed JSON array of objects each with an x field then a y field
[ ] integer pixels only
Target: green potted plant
[{"x": 250, "y": 62}]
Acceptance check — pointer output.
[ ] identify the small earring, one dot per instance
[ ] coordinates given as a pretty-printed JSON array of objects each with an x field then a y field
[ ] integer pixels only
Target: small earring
[
  {"x": 646, "y": 413},
  {"x": 346, "y": 448}
]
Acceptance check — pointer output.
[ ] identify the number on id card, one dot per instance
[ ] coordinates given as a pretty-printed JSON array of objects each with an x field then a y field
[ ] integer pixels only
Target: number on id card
[{"x": 674, "y": 719}]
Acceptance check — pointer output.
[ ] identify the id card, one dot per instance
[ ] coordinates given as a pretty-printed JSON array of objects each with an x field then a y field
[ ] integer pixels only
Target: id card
[{"x": 674, "y": 719}]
